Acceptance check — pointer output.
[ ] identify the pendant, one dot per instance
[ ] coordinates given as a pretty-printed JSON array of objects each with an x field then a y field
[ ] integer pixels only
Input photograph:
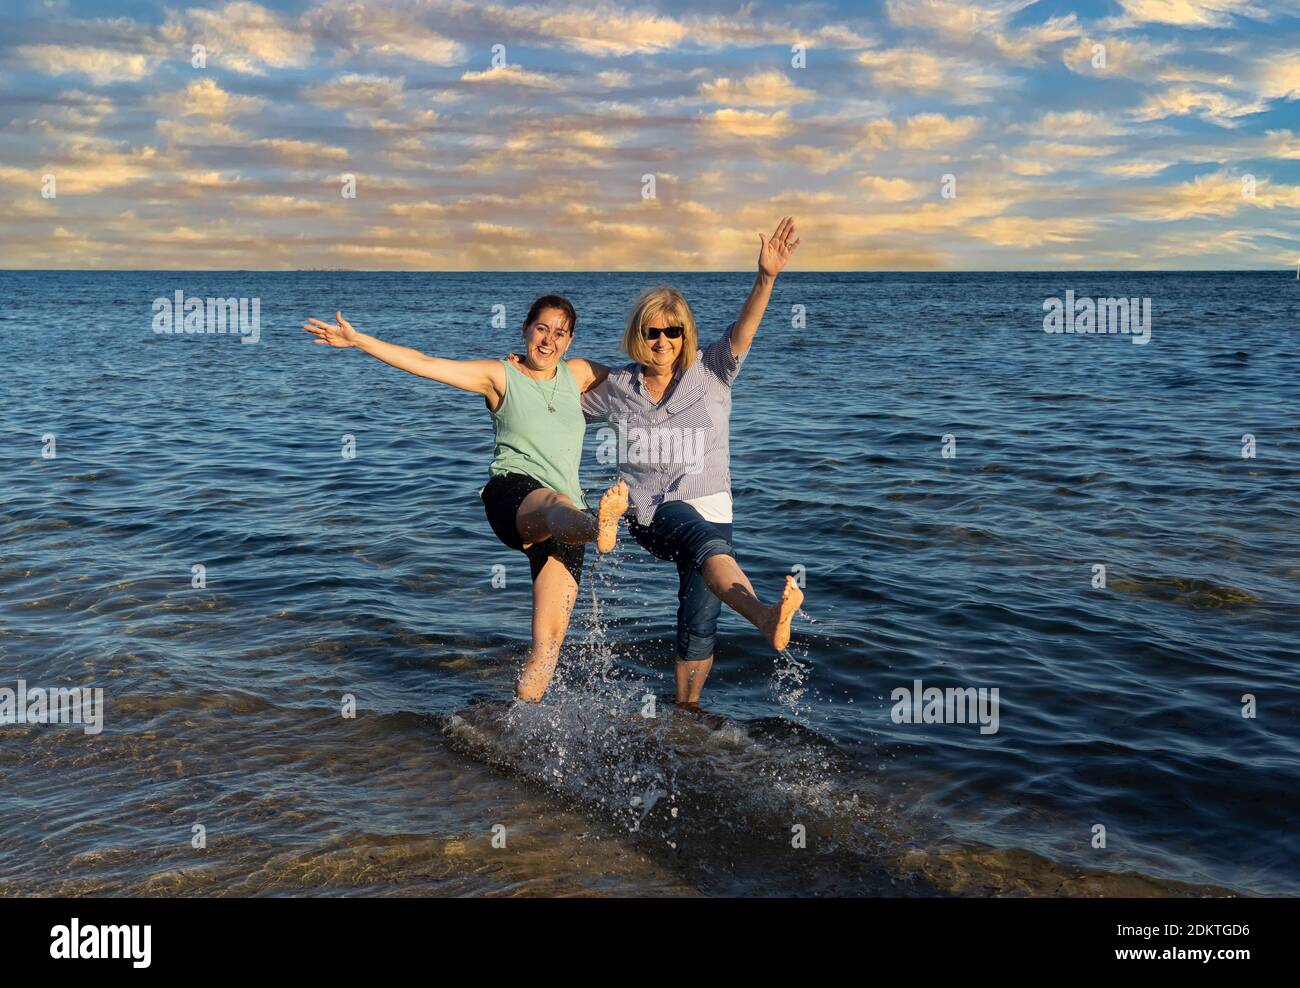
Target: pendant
[{"x": 550, "y": 407}]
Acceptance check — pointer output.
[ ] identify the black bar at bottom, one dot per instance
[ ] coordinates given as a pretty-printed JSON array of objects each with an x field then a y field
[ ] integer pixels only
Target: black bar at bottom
[{"x": 215, "y": 937}]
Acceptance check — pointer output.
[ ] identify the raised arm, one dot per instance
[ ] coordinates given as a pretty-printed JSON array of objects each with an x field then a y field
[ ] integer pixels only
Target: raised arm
[
  {"x": 773, "y": 252},
  {"x": 485, "y": 377}
]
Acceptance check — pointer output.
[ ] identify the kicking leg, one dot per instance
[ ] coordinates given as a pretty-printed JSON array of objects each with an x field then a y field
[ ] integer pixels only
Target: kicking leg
[
  {"x": 726, "y": 579},
  {"x": 544, "y": 514},
  {"x": 613, "y": 504},
  {"x": 554, "y": 593}
]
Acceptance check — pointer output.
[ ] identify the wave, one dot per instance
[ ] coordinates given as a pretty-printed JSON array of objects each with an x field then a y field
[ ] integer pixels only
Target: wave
[{"x": 752, "y": 807}]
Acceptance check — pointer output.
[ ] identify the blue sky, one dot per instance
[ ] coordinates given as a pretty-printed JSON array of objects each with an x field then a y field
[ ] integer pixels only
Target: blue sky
[{"x": 1110, "y": 134}]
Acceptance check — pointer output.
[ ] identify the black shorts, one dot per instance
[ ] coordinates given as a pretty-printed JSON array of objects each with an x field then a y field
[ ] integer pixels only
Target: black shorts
[{"x": 501, "y": 499}]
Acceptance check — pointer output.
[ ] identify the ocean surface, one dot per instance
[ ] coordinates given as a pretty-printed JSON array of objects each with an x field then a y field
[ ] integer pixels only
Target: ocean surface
[{"x": 1162, "y": 706}]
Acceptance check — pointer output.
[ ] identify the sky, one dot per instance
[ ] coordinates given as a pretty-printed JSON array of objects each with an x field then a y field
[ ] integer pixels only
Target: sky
[{"x": 554, "y": 136}]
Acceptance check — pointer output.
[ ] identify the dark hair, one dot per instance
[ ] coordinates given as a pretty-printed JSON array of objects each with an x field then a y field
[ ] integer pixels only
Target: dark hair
[{"x": 553, "y": 302}]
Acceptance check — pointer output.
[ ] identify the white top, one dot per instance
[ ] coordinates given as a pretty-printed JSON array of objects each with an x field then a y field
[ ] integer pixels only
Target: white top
[{"x": 713, "y": 507}]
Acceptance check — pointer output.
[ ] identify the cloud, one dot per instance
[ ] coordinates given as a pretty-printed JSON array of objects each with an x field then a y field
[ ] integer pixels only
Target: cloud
[
  {"x": 206, "y": 99},
  {"x": 551, "y": 133},
  {"x": 1210, "y": 105},
  {"x": 1071, "y": 123},
  {"x": 1205, "y": 245},
  {"x": 603, "y": 31},
  {"x": 278, "y": 206},
  {"x": 1030, "y": 167},
  {"x": 417, "y": 210},
  {"x": 1188, "y": 13},
  {"x": 749, "y": 123},
  {"x": 511, "y": 75},
  {"x": 954, "y": 18},
  {"x": 770, "y": 88},
  {"x": 302, "y": 152},
  {"x": 923, "y": 70},
  {"x": 1219, "y": 194},
  {"x": 83, "y": 110},
  {"x": 1279, "y": 78},
  {"x": 922, "y": 132},
  {"x": 984, "y": 25},
  {"x": 101, "y": 65},
  {"x": 536, "y": 165},
  {"x": 244, "y": 37},
  {"x": 1136, "y": 169},
  {"x": 1024, "y": 231},
  {"x": 1134, "y": 59},
  {"x": 608, "y": 30},
  {"x": 91, "y": 167},
  {"x": 889, "y": 189},
  {"x": 818, "y": 160},
  {"x": 353, "y": 91},
  {"x": 1281, "y": 144},
  {"x": 385, "y": 29},
  {"x": 1060, "y": 149},
  {"x": 209, "y": 133}
]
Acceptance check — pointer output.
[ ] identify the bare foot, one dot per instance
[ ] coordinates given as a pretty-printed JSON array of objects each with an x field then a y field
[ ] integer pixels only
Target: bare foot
[
  {"x": 612, "y": 505},
  {"x": 777, "y": 626}
]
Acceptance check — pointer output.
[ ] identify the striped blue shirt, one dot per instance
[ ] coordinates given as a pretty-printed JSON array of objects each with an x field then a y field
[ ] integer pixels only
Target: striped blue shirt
[{"x": 674, "y": 450}]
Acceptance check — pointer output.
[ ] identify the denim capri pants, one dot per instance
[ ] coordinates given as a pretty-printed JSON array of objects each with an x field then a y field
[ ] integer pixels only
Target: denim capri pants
[{"x": 679, "y": 533}]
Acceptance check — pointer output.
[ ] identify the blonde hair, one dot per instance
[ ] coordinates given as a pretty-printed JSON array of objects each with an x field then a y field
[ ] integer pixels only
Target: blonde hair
[{"x": 655, "y": 302}]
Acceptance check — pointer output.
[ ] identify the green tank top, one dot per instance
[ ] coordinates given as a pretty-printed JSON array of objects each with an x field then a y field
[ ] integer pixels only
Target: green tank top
[{"x": 535, "y": 441}]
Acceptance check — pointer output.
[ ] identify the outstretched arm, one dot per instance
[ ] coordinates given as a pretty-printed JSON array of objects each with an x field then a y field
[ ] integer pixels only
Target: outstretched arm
[
  {"x": 773, "y": 252},
  {"x": 485, "y": 377}
]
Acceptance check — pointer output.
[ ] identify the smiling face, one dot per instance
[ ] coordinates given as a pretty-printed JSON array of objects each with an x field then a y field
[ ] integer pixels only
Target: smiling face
[
  {"x": 547, "y": 338},
  {"x": 662, "y": 352},
  {"x": 660, "y": 308}
]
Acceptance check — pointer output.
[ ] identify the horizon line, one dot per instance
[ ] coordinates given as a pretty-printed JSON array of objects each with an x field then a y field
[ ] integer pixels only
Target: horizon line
[{"x": 646, "y": 271}]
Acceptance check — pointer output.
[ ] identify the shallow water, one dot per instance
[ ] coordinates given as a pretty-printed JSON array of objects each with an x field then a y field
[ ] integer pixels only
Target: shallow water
[{"x": 372, "y": 577}]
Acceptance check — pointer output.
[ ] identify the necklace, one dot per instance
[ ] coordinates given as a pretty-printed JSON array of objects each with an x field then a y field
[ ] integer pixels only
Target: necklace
[{"x": 550, "y": 402}]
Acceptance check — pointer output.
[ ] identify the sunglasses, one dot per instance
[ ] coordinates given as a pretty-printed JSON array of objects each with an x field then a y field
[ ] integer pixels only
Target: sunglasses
[{"x": 672, "y": 332}]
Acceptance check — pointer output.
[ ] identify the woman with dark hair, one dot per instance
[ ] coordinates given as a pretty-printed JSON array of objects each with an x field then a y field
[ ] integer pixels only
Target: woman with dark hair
[{"x": 532, "y": 498}]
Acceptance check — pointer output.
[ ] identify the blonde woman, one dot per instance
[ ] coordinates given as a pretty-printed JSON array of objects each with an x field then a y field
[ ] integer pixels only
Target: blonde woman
[{"x": 672, "y": 409}]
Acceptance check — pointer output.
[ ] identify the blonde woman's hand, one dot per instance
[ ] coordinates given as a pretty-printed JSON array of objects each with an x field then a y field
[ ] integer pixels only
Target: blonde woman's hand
[{"x": 774, "y": 251}]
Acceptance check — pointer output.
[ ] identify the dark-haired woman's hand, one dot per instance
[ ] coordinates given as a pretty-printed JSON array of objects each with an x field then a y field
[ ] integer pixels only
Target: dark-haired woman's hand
[{"x": 339, "y": 333}]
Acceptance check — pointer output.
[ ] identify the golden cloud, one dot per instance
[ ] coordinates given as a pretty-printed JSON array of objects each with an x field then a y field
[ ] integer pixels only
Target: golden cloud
[
  {"x": 771, "y": 88},
  {"x": 302, "y": 152},
  {"x": 101, "y": 65},
  {"x": 353, "y": 91},
  {"x": 749, "y": 123},
  {"x": 922, "y": 132}
]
